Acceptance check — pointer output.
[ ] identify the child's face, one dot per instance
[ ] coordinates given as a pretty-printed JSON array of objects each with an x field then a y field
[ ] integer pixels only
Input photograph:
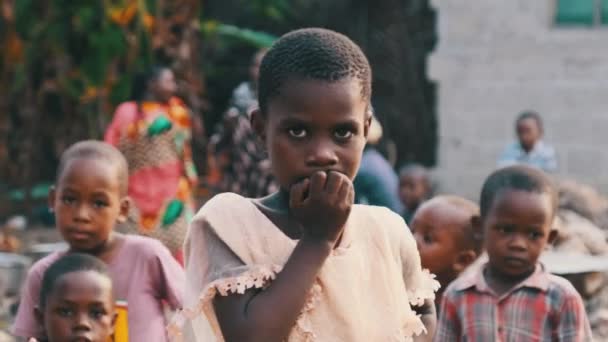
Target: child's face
[
  {"x": 80, "y": 308},
  {"x": 528, "y": 133},
  {"x": 517, "y": 229},
  {"x": 88, "y": 203},
  {"x": 314, "y": 126},
  {"x": 436, "y": 227},
  {"x": 412, "y": 190}
]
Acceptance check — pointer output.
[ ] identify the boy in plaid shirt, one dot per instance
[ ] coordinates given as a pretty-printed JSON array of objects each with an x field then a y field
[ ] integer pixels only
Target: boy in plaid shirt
[{"x": 512, "y": 297}]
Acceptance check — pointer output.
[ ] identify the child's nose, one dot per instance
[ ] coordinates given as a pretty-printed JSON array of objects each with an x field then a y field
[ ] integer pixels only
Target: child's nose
[
  {"x": 82, "y": 213},
  {"x": 322, "y": 155},
  {"x": 82, "y": 322},
  {"x": 518, "y": 242}
]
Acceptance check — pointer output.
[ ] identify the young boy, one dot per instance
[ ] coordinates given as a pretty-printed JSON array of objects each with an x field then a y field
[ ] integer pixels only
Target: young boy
[
  {"x": 76, "y": 300},
  {"x": 512, "y": 297},
  {"x": 446, "y": 233},
  {"x": 89, "y": 199},
  {"x": 530, "y": 149},
  {"x": 414, "y": 188}
]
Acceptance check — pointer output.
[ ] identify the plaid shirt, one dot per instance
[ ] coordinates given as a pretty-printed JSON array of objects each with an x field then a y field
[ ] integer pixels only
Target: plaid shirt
[{"x": 544, "y": 307}]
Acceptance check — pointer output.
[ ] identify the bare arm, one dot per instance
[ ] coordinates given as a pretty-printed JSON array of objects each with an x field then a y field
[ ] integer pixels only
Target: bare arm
[
  {"x": 270, "y": 314},
  {"x": 429, "y": 319}
]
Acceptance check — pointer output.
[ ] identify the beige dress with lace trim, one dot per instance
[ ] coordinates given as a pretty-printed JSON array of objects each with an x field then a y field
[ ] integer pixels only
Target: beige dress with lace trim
[{"x": 364, "y": 291}]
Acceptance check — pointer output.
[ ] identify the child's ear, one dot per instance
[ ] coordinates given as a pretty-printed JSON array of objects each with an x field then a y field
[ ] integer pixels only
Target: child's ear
[
  {"x": 477, "y": 228},
  {"x": 367, "y": 123},
  {"x": 39, "y": 315},
  {"x": 114, "y": 318},
  {"x": 552, "y": 236},
  {"x": 258, "y": 123},
  {"x": 463, "y": 260},
  {"x": 51, "y": 198},
  {"x": 125, "y": 206}
]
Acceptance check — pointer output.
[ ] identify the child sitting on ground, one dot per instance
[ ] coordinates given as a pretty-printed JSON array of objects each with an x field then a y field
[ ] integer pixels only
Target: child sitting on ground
[
  {"x": 305, "y": 263},
  {"x": 89, "y": 200},
  {"x": 512, "y": 297},
  {"x": 414, "y": 188},
  {"x": 446, "y": 231},
  {"x": 76, "y": 300}
]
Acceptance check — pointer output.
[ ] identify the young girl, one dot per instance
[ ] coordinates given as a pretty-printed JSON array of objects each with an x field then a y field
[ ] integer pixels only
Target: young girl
[
  {"x": 154, "y": 132},
  {"x": 305, "y": 264},
  {"x": 89, "y": 200},
  {"x": 76, "y": 300}
]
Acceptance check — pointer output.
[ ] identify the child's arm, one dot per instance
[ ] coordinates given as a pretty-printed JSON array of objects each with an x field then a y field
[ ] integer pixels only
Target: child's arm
[
  {"x": 270, "y": 314},
  {"x": 429, "y": 319},
  {"x": 572, "y": 322}
]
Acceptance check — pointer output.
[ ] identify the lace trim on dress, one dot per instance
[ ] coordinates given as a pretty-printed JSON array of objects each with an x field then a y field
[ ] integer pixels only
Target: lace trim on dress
[{"x": 427, "y": 286}]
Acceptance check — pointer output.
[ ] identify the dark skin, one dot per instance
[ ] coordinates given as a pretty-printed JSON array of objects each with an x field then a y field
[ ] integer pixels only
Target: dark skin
[
  {"x": 79, "y": 308},
  {"x": 413, "y": 189},
  {"x": 528, "y": 133},
  {"x": 438, "y": 229},
  {"x": 88, "y": 202},
  {"x": 315, "y": 133},
  {"x": 517, "y": 228}
]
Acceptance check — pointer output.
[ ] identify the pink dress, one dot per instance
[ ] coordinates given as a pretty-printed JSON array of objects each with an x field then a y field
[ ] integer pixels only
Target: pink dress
[{"x": 364, "y": 292}]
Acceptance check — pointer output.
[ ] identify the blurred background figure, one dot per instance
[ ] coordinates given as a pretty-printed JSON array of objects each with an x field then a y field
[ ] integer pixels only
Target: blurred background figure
[
  {"x": 376, "y": 182},
  {"x": 414, "y": 188},
  {"x": 530, "y": 149},
  {"x": 235, "y": 150},
  {"x": 153, "y": 131}
]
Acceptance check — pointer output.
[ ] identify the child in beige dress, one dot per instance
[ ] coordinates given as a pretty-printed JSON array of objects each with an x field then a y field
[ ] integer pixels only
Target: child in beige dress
[{"x": 305, "y": 264}]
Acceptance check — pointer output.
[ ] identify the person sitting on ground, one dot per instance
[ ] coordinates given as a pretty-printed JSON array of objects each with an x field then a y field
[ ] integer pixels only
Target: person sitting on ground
[
  {"x": 414, "y": 188},
  {"x": 376, "y": 182},
  {"x": 76, "y": 301},
  {"x": 512, "y": 297},
  {"x": 530, "y": 149},
  {"x": 447, "y": 233}
]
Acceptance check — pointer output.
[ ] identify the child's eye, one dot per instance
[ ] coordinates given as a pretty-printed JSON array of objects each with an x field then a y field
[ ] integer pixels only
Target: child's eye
[
  {"x": 65, "y": 312},
  {"x": 97, "y": 313},
  {"x": 343, "y": 133},
  {"x": 297, "y": 132},
  {"x": 100, "y": 204},
  {"x": 535, "y": 235},
  {"x": 68, "y": 200},
  {"x": 427, "y": 238},
  {"x": 505, "y": 230}
]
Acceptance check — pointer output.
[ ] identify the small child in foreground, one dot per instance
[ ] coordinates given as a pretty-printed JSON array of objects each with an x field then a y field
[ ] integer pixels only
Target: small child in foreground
[
  {"x": 76, "y": 301},
  {"x": 89, "y": 199},
  {"x": 446, "y": 232},
  {"x": 512, "y": 297},
  {"x": 305, "y": 264}
]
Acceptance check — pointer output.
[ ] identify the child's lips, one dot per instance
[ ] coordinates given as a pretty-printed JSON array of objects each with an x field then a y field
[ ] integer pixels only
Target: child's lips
[
  {"x": 515, "y": 262},
  {"x": 79, "y": 235}
]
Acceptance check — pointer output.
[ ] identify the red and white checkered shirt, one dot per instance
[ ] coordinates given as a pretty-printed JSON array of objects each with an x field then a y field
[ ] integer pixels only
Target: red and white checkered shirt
[{"x": 544, "y": 307}]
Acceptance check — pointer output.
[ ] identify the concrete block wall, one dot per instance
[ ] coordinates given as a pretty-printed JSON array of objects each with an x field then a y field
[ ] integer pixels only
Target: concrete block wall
[{"x": 496, "y": 58}]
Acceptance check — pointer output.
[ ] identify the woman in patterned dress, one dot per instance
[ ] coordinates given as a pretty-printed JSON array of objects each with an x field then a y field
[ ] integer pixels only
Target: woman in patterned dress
[{"x": 153, "y": 131}]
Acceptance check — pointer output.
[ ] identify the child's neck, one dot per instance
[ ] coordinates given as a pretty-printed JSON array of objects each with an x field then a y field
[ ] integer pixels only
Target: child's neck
[
  {"x": 502, "y": 283},
  {"x": 276, "y": 208},
  {"x": 107, "y": 250}
]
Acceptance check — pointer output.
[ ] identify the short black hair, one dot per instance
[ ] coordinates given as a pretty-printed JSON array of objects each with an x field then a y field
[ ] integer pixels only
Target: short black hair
[
  {"x": 70, "y": 263},
  {"x": 96, "y": 150},
  {"x": 519, "y": 177},
  {"x": 530, "y": 114},
  {"x": 315, "y": 54},
  {"x": 469, "y": 237}
]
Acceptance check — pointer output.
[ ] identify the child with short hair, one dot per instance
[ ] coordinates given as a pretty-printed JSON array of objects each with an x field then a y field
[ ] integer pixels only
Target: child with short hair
[
  {"x": 305, "y": 263},
  {"x": 530, "y": 149},
  {"x": 447, "y": 233},
  {"x": 414, "y": 188},
  {"x": 512, "y": 297},
  {"x": 89, "y": 199},
  {"x": 76, "y": 300}
]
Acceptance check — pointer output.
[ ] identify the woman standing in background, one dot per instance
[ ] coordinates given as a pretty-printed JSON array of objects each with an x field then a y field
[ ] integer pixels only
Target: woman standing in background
[{"x": 154, "y": 132}]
